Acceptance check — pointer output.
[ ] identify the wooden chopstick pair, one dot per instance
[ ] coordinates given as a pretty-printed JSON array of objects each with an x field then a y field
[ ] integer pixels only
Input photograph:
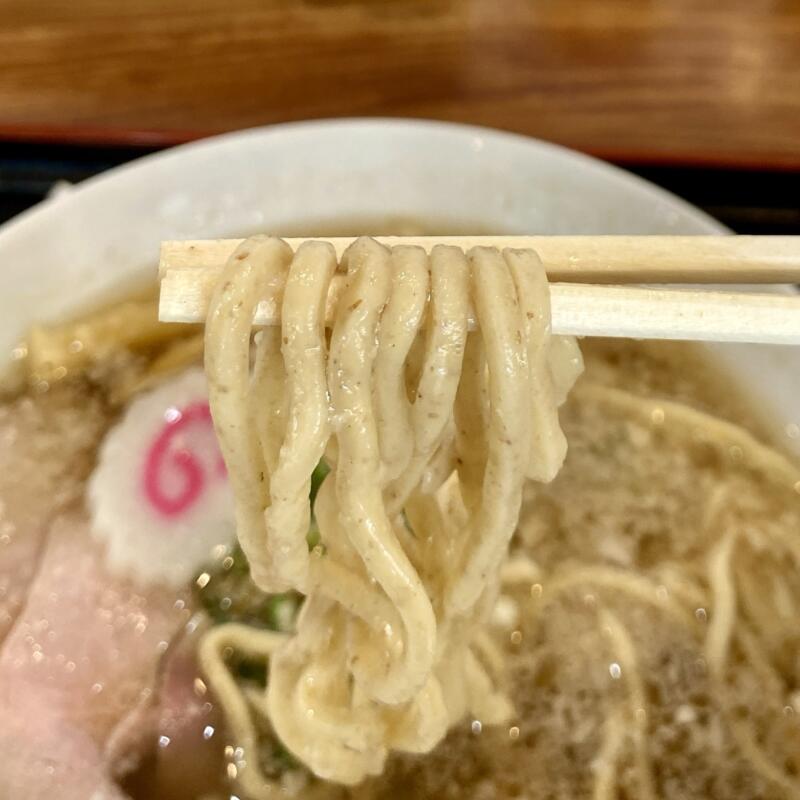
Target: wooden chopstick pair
[{"x": 577, "y": 267}]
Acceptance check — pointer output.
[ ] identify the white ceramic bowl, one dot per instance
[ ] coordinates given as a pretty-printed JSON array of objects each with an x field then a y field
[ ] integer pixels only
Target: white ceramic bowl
[{"x": 102, "y": 236}]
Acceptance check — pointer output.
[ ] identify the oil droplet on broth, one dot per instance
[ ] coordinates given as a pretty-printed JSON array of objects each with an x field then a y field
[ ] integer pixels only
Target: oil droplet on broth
[{"x": 615, "y": 670}]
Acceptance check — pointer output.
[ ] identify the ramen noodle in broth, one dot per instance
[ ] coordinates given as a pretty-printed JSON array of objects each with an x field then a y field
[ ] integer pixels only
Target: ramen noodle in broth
[{"x": 639, "y": 638}]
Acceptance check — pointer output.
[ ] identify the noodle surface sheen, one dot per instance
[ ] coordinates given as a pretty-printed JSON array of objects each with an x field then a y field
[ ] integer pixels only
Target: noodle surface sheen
[{"x": 431, "y": 430}]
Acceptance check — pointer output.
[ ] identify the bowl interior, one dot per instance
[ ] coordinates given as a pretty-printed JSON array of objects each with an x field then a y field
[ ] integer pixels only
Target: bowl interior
[{"x": 100, "y": 238}]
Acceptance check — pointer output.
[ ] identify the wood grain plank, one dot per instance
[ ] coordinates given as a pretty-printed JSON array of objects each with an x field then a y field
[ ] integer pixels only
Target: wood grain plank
[{"x": 646, "y": 80}]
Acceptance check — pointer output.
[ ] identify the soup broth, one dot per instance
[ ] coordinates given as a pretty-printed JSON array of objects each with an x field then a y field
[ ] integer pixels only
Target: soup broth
[{"x": 648, "y": 615}]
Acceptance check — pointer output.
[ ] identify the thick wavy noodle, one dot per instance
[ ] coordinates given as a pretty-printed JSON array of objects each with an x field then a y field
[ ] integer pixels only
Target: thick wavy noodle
[{"x": 430, "y": 430}]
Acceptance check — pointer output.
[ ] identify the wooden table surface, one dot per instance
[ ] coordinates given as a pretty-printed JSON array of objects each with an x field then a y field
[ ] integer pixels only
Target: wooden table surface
[{"x": 680, "y": 81}]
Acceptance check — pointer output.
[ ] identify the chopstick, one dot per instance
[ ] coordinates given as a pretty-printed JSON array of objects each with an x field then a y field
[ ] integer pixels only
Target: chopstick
[
  {"x": 190, "y": 270},
  {"x": 581, "y": 259}
]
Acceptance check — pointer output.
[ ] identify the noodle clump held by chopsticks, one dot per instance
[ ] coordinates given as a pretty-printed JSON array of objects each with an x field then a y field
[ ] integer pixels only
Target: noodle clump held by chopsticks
[{"x": 431, "y": 428}]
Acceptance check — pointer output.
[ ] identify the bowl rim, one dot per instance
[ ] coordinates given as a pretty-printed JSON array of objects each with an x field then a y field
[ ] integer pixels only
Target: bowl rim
[{"x": 384, "y": 125}]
